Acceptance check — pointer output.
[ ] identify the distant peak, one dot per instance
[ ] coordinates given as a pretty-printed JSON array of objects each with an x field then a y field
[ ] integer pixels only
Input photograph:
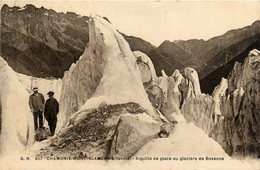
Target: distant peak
[
  {"x": 177, "y": 41},
  {"x": 29, "y": 6},
  {"x": 256, "y": 22},
  {"x": 5, "y": 7},
  {"x": 166, "y": 42},
  {"x": 71, "y": 13}
]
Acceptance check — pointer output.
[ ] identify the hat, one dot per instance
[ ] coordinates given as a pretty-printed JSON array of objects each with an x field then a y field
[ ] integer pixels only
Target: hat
[
  {"x": 35, "y": 88},
  {"x": 51, "y": 93}
]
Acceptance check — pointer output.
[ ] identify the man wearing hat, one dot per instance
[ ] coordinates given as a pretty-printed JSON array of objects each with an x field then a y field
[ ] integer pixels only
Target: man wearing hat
[
  {"x": 50, "y": 112},
  {"x": 36, "y": 103}
]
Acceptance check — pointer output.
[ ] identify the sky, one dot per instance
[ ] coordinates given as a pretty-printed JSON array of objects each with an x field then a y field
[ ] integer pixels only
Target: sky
[{"x": 156, "y": 21}]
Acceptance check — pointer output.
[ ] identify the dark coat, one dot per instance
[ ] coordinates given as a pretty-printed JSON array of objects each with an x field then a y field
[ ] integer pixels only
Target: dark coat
[{"x": 51, "y": 109}]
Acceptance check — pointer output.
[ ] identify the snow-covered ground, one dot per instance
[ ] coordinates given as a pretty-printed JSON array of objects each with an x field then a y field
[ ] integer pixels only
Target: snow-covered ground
[
  {"x": 186, "y": 140},
  {"x": 185, "y": 144}
]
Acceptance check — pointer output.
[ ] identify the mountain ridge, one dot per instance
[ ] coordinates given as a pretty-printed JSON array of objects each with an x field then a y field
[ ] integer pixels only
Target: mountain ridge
[{"x": 45, "y": 43}]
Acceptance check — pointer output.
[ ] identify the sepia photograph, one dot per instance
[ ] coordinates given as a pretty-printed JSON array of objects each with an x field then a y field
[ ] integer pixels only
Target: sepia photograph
[{"x": 129, "y": 85}]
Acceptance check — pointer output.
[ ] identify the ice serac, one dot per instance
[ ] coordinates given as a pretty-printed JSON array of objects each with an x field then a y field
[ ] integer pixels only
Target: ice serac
[
  {"x": 172, "y": 98},
  {"x": 44, "y": 85},
  {"x": 165, "y": 95},
  {"x": 146, "y": 67},
  {"x": 218, "y": 93},
  {"x": 105, "y": 73},
  {"x": 196, "y": 107},
  {"x": 160, "y": 90},
  {"x": 17, "y": 130},
  {"x": 192, "y": 75},
  {"x": 243, "y": 108},
  {"x": 98, "y": 91},
  {"x": 231, "y": 115}
]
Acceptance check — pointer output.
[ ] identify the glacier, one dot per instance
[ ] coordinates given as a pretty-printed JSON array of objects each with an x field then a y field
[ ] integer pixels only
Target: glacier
[{"x": 120, "y": 89}]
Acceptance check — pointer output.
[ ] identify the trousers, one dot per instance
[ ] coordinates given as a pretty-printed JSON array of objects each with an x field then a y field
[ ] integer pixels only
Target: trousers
[
  {"x": 52, "y": 124},
  {"x": 38, "y": 116}
]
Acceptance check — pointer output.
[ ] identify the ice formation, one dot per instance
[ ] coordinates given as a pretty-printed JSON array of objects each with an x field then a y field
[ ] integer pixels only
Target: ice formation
[
  {"x": 105, "y": 73},
  {"x": 17, "y": 121},
  {"x": 44, "y": 85}
]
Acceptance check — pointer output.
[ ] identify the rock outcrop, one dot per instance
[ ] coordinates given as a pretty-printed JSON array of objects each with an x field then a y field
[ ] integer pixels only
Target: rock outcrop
[
  {"x": 132, "y": 133},
  {"x": 92, "y": 135}
]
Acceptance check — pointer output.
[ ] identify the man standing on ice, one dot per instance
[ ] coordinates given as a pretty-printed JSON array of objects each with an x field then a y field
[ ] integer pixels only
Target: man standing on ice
[
  {"x": 36, "y": 103},
  {"x": 50, "y": 112}
]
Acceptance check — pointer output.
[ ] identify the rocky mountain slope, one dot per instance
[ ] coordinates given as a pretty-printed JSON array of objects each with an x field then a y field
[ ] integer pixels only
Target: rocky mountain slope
[
  {"x": 206, "y": 56},
  {"x": 44, "y": 43},
  {"x": 41, "y": 42},
  {"x": 160, "y": 61},
  {"x": 213, "y": 79},
  {"x": 215, "y": 57}
]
